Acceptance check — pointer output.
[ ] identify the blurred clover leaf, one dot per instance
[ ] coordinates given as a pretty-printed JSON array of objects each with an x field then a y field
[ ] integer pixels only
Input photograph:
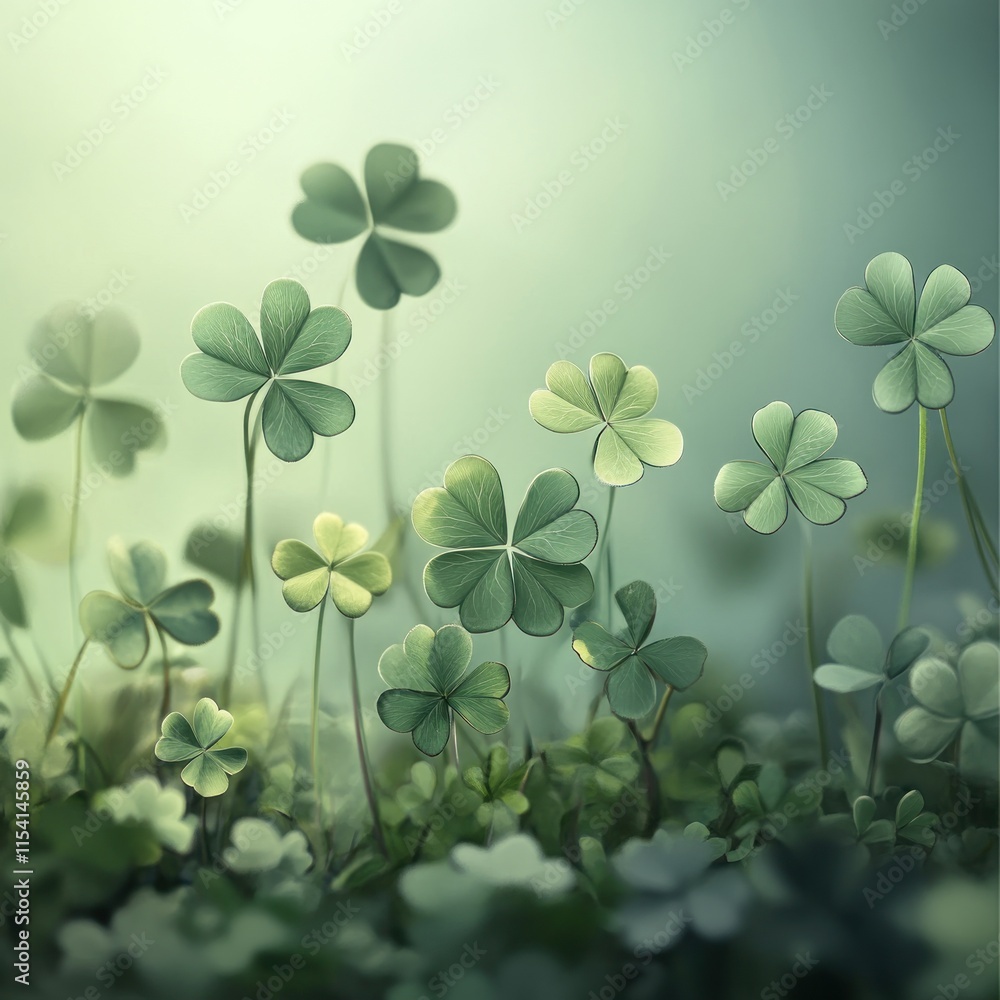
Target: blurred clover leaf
[
  {"x": 793, "y": 445},
  {"x": 257, "y": 846},
  {"x": 428, "y": 680},
  {"x": 231, "y": 365},
  {"x": 352, "y": 578},
  {"x": 27, "y": 514},
  {"x": 533, "y": 576},
  {"x": 516, "y": 861},
  {"x": 885, "y": 312},
  {"x": 120, "y": 622},
  {"x": 208, "y": 766},
  {"x": 160, "y": 809},
  {"x": 618, "y": 398},
  {"x": 73, "y": 355},
  {"x": 499, "y": 789},
  {"x": 632, "y": 667},
  {"x": 955, "y": 702},
  {"x": 215, "y": 550},
  {"x": 601, "y": 760},
  {"x": 335, "y": 211},
  {"x": 859, "y": 658}
]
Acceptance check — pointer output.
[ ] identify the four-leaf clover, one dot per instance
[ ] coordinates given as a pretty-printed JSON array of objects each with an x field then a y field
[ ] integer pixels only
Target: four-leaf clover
[
  {"x": 208, "y": 766},
  {"x": 793, "y": 445},
  {"x": 633, "y": 668},
  {"x": 617, "y": 398},
  {"x": 531, "y": 577},
  {"x": 427, "y": 674},
  {"x": 859, "y": 659},
  {"x": 398, "y": 198},
  {"x": 230, "y": 365},
  {"x": 886, "y": 312}
]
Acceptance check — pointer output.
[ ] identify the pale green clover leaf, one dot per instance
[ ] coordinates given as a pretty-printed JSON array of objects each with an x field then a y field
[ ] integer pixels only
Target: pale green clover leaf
[
  {"x": 955, "y": 702},
  {"x": 335, "y": 211},
  {"x": 73, "y": 355},
  {"x": 428, "y": 680},
  {"x": 120, "y": 622},
  {"x": 617, "y": 399},
  {"x": 633, "y": 665},
  {"x": 26, "y": 520},
  {"x": 162, "y": 810},
  {"x": 886, "y": 311},
  {"x": 208, "y": 765},
  {"x": 859, "y": 659},
  {"x": 530, "y": 575},
  {"x": 793, "y": 446},
  {"x": 352, "y": 577},
  {"x": 231, "y": 364}
]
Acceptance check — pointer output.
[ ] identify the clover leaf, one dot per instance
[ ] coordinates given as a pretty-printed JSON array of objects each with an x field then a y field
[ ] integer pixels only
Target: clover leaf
[
  {"x": 74, "y": 355},
  {"x": 120, "y": 622},
  {"x": 617, "y": 398},
  {"x": 959, "y": 701},
  {"x": 601, "y": 761},
  {"x": 634, "y": 666},
  {"x": 162, "y": 810},
  {"x": 885, "y": 311},
  {"x": 231, "y": 364},
  {"x": 859, "y": 660},
  {"x": 352, "y": 578},
  {"x": 334, "y": 211},
  {"x": 793, "y": 446},
  {"x": 27, "y": 516},
  {"x": 532, "y": 575},
  {"x": 428, "y": 680},
  {"x": 208, "y": 766},
  {"x": 499, "y": 791}
]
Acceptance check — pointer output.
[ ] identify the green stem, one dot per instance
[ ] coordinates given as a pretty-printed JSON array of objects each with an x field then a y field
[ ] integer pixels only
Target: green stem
[
  {"x": 314, "y": 729},
  {"x": 811, "y": 660},
  {"x": 385, "y": 421},
  {"x": 64, "y": 696},
  {"x": 911, "y": 549},
  {"x": 165, "y": 704},
  {"x": 454, "y": 745},
  {"x": 74, "y": 519},
  {"x": 603, "y": 552},
  {"x": 18, "y": 658},
  {"x": 876, "y": 734},
  {"x": 661, "y": 713}
]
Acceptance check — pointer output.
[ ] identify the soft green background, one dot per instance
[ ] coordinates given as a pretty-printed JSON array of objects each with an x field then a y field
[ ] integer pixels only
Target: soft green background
[{"x": 230, "y": 66}]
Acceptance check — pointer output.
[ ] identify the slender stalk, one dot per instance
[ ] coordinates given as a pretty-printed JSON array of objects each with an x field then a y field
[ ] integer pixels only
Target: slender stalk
[
  {"x": 385, "y": 421},
  {"x": 19, "y": 659},
  {"x": 74, "y": 520},
  {"x": 64, "y": 696},
  {"x": 811, "y": 659},
  {"x": 650, "y": 780},
  {"x": 314, "y": 729},
  {"x": 876, "y": 734},
  {"x": 603, "y": 552},
  {"x": 661, "y": 713},
  {"x": 165, "y": 704},
  {"x": 204, "y": 831},
  {"x": 42, "y": 660},
  {"x": 454, "y": 745},
  {"x": 911, "y": 549},
  {"x": 324, "y": 482}
]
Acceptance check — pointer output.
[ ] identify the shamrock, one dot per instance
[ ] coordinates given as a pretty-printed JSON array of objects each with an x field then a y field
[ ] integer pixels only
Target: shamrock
[
  {"x": 859, "y": 661},
  {"x": 957, "y": 701},
  {"x": 634, "y": 668},
  {"x": 531, "y": 577},
  {"x": 195, "y": 742},
  {"x": 334, "y": 211},
  {"x": 793, "y": 444},
  {"x": 120, "y": 622},
  {"x": 296, "y": 338},
  {"x": 427, "y": 674},
  {"x": 73, "y": 355},
  {"x": 617, "y": 397},
  {"x": 885, "y": 312},
  {"x": 498, "y": 788},
  {"x": 600, "y": 761},
  {"x": 352, "y": 579},
  {"x": 161, "y": 810}
]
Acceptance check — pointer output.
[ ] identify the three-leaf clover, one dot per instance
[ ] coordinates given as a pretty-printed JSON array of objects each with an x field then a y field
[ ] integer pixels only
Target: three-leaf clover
[
  {"x": 208, "y": 766},
  {"x": 74, "y": 355},
  {"x": 120, "y": 622},
  {"x": 885, "y": 311},
  {"x": 632, "y": 667},
  {"x": 398, "y": 198},
  {"x": 617, "y": 398},
  {"x": 793, "y": 445},
  {"x": 957, "y": 701},
  {"x": 231, "y": 365},
  {"x": 428, "y": 680},
  {"x": 532, "y": 576},
  {"x": 499, "y": 789},
  {"x": 351, "y": 577},
  {"x": 859, "y": 659}
]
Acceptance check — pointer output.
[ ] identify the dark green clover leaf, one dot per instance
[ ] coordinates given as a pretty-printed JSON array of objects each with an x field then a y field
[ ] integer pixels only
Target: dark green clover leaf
[
  {"x": 532, "y": 576},
  {"x": 618, "y": 399},
  {"x": 208, "y": 765},
  {"x": 885, "y": 312},
  {"x": 793, "y": 445},
  {"x": 912, "y": 823},
  {"x": 334, "y": 211},
  {"x": 352, "y": 577},
  {"x": 859, "y": 659},
  {"x": 499, "y": 791},
  {"x": 231, "y": 365},
  {"x": 427, "y": 674},
  {"x": 73, "y": 356},
  {"x": 120, "y": 622},
  {"x": 600, "y": 761},
  {"x": 955, "y": 702},
  {"x": 634, "y": 666}
]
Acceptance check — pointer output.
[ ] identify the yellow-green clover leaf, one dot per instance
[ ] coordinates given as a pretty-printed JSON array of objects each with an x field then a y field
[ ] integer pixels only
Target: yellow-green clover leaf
[
  {"x": 334, "y": 211},
  {"x": 230, "y": 364},
  {"x": 793, "y": 446},
  {"x": 209, "y": 766},
  {"x": 886, "y": 311},
  {"x": 634, "y": 666},
  {"x": 428, "y": 680},
  {"x": 531, "y": 575},
  {"x": 617, "y": 398},
  {"x": 352, "y": 578}
]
